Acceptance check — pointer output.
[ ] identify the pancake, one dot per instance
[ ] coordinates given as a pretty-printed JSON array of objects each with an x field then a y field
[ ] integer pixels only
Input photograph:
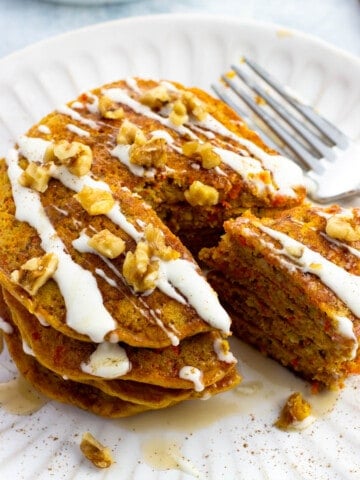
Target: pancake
[
  {"x": 66, "y": 356},
  {"x": 95, "y": 396},
  {"x": 291, "y": 283}
]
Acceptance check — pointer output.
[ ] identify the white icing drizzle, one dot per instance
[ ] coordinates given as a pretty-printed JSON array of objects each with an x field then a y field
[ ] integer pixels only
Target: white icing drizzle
[
  {"x": 223, "y": 356},
  {"x": 286, "y": 173},
  {"x": 94, "y": 106},
  {"x": 42, "y": 320},
  {"x": 61, "y": 210},
  {"x": 122, "y": 153},
  {"x": 109, "y": 360},
  {"x": 85, "y": 311},
  {"x": 120, "y": 96},
  {"x": 247, "y": 167},
  {"x": 346, "y": 329},
  {"x": 65, "y": 110},
  {"x": 163, "y": 134},
  {"x": 182, "y": 275},
  {"x": 194, "y": 375},
  {"x": 27, "y": 349},
  {"x": 344, "y": 284},
  {"x": 79, "y": 131},
  {"x": 103, "y": 275},
  {"x": 352, "y": 250},
  {"x": 219, "y": 171},
  {"x": 44, "y": 129},
  {"x": 132, "y": 84},
  {"x": 5, "y": 326},
  {"x": 302, "y": 424},
  {"x": 77, "y": 105}
]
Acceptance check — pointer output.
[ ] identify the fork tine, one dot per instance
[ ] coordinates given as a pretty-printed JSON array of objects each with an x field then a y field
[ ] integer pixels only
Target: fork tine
[
  {"x": 223, "y": 95},
  {"x": 321, "y": 150},
  {"x": 302, "y": 154},
  {"x": 327, "y": 129}
]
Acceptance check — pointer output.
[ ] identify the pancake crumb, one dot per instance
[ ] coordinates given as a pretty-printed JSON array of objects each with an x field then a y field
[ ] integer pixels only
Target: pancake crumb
[{"x": 295, "y": 413}]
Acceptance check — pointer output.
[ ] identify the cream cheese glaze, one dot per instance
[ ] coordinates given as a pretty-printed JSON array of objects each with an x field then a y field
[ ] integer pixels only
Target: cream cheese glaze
[
  {"x": 194, "y": 375},
  {"x": 109, "y": 360}
]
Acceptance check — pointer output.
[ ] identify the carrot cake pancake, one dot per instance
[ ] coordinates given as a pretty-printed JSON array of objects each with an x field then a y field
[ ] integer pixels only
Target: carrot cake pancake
[
  {"x": 88, "y": 263},
  {"x": 291, "y": 284}
]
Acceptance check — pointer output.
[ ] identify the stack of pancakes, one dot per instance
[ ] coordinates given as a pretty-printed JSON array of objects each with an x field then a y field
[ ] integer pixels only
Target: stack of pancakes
[{"x": 108, "y": 309}]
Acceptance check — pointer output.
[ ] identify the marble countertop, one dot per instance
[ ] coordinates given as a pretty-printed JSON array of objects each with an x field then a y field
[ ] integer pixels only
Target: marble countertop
[{"x": 23, "y": 22}]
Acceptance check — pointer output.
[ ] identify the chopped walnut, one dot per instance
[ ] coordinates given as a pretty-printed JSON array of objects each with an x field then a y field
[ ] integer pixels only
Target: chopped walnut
[
  {"x": 150, "y": 154},
  {"x": 34, "y": 273},
  {"x": 340, "y": 227},
  {"x": 294, "y": 413},
  {"x": 156, "y": 97},
  {"x": 156, "y": 241},
  {"x": 35, "y": 177},
  {"x": 209, "y": 158},
  {"x": 194, "y": 105},
  {"x": 201, "y": 194},
  {"x": 178, "y": 115},
  {"x": 98, "y": 454},
  {"x": 95, "y": 201},
  {"x": 139, "y": 270},
  {"x": 76, "y": 156},
  {"x": 109, "y": 109},
  {"x": 129, "y": 133},
  {"x": 295, "y": 250},
  {"x": 107, "y": 244}
]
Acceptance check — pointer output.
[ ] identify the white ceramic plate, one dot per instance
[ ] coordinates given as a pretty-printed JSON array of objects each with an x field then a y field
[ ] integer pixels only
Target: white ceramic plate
[{"x": 230, "y": 436}]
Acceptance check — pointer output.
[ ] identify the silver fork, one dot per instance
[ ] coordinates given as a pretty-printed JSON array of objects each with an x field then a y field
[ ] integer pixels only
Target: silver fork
[{"x": 330, "y": 160}]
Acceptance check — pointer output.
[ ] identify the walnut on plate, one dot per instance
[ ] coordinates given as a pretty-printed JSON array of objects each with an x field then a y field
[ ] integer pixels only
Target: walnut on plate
[{"x": 93, "y": 450}]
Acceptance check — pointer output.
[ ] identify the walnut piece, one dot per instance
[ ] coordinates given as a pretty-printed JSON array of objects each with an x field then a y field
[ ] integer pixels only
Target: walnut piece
[
  {"x": 156, "y": 241},
  {"x": 129, "y": 133},
  {"x": 295, "y": 250},
  {"x": 109, "y": 109},
  {"x": 35, "y": 177},
  {"x": 34, "y": 273},
  {"x": 194, "y": 105},
  {"x": 76, "y": 156},
  {"x": 209, "y": 158},
  {"x": 156, "y": 97},
  {"x": 340, "y": 227},
  {"x": 150, "y": 154},
  {"x": 139, "y": 270},
  {"x": 95, "y": 201},
  {"x": 107, "y": 244},
  {"x": 201, "y": 194},
  {"x": 178, "y": 115},
  {"x": 93, "y": 450}
]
